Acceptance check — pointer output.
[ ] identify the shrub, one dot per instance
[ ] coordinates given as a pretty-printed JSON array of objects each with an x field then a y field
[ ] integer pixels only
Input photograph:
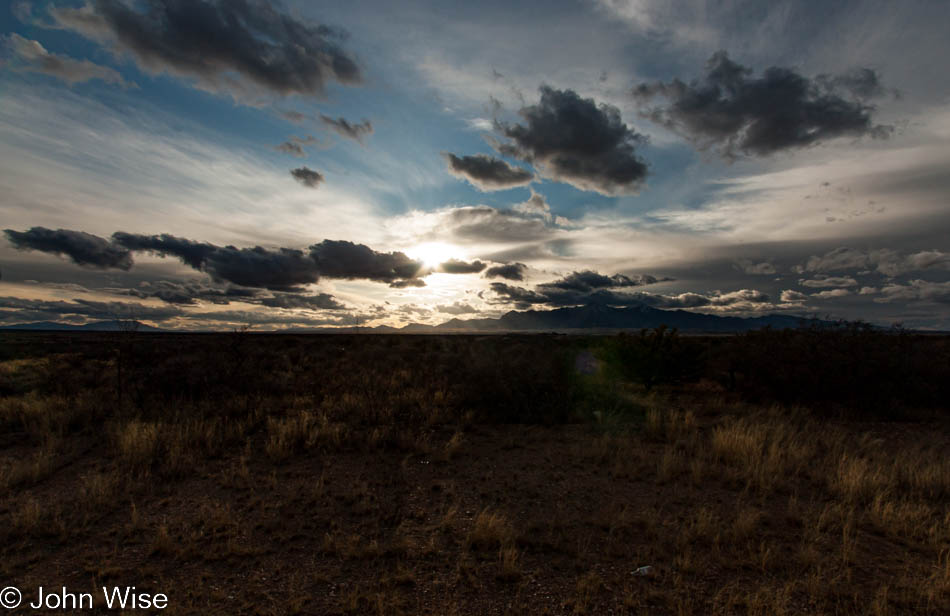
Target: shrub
[{"x": 657, "y": 357}]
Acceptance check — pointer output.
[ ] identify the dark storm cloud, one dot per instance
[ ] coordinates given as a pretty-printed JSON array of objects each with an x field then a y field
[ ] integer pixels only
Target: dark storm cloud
[
  {"x": 191, "y": 253},
  {"x": 57, "y": 309},
  {"x": 734, "y": 112},
  {"x": 356, "y": 132},
  {"x": 518, "y": 295},
  {"x": 237, "y": 46},
  {"x": 573, "y": 140},
  {"x": 862, "y": 83},
  {"x": 321, "y": 301},
  {"x": 82, "y": 248},
  {"x": 454, "y": 266},
  {"x": 579, "y": 295},
  {"x": 306, "y": 176},
  {"x": 32, "y": 56},
  {"x": 508, "y": 271},
  {"x": 342, "y": 259},
  {"x": 409, "y": 282},
  {"x": 588, "y": 280},
  {"x": 188, "y": 293},
  {"x": 487, "y": 172},
  {"x": 278, "y": 269}
]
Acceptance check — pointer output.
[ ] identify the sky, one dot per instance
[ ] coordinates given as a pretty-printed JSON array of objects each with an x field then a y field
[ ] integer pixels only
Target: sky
[{"x": 212, "y": 164}]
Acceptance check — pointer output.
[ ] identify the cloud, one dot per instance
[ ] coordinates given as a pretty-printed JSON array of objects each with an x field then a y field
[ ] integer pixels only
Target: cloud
[
  {"x": 456, "y": 308},
  {"x": 82, "y": 248},
  {"x": 23, "y": 11},
  {"x": 409, "y": 282},
  {"x": 831, "y": 294},
  {"x": 732, "y": 111},
  {"x": 17, "y": 310},
  {"x": 229, "y": 318},
  {"x": 536, "y": 205},
  {"x": 191, "y": 253},
  {"x": 519, "y": 296},
  {"x": 294, "y": 116},
  {"x": 294, "y": 146},
  {"x": 307, "y": 176},
  {"x": 791, "y": 296},
  {"x": 414, "y": 309},
  {"x": 482, "y": 222},
  {"x": 343, "y": 128},
  {"x": 187, "y": 293},
  {"x": 755, "y": 269},
  {"x": 830, "y": 281},
  {"x": 885, "y": 261},
  {"x": 479, "y": 123},
  {"x": 837, "y": 260},
  {"x": 342, "y": 259},
  {"x": 291, "y": 147},
  {"x": 862, "y": 83},
  {"x": 916, "y": 290},
  {"x": 321, "y": 301},
  {"x": 924, "y": 260},
  {"x": 243, "y": 48},
  {"x": 281, "y": 269},
  {"x": 36, "y": 58},
  {"x": 742, "y": 298},
  {"x": 190, "y": 293},
  {"x": 588, "y": 280},
  {"x": 454, "y": 266},
  {"x": 558, "y": 297},
  {"x": 508, "y": 271},
  {"x": 54, "y": 309},
  {"x": 487, "y": 173},
  {"x": 573, "y": 140}
]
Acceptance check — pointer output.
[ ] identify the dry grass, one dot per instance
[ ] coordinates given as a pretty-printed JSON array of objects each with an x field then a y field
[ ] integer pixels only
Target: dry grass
[
  {"x": 490, "y": 530},
  {"x": 344, "y": 486},
  {"x": 137, "y": 444}
]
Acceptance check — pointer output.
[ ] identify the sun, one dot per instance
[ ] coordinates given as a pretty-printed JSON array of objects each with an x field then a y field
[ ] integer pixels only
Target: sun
[{"x": 433, "y": 253}]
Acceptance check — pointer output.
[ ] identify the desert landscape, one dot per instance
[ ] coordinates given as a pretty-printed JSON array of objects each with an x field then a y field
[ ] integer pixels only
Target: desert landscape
[
  {"x": 430, "y": 308},
  {"x": 501, "y": 474}
]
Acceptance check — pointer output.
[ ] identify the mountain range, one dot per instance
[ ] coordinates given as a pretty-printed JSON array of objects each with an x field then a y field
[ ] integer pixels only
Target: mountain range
[
  {"x": 594, "y": 317},
  {"x": 601, "y": 317},
  {"x": 95, "y": 326}
]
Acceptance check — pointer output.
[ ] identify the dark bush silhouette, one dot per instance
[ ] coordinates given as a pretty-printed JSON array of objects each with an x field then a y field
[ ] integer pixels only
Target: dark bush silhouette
[
  {"x": 657, "y": 357},
  {"x": 849, "y": 365}
]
